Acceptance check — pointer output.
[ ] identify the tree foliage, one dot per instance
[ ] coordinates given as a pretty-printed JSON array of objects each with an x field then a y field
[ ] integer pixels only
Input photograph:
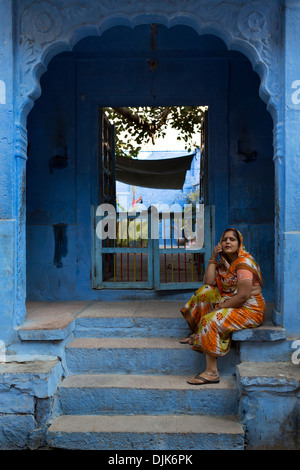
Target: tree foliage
[{"x": 137, "y": 126}]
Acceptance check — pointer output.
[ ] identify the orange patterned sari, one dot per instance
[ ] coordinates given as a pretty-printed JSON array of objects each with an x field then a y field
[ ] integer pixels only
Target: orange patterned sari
[{"x": 212, "y": 325}]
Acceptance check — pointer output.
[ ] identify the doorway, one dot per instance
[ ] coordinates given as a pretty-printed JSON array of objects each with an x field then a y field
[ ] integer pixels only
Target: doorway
[
  {"x": 114, "y": 70},
  {"x": 158, "y": 245}
]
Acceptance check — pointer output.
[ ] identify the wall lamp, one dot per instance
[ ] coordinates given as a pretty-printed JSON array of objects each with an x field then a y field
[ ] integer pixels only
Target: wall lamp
[
  {"x": 59, "y": 159},
  {"x": 244, "y": 148}
]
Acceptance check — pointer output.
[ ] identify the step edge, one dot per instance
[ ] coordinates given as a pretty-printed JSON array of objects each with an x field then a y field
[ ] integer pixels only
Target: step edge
[
  {"x": 126, "y": 342},
  {"x": 193, "y": 424},
  {"x": 178, "y": 382}
]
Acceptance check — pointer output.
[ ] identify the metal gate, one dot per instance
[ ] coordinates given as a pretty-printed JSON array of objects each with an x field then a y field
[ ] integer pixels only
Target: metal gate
[
  {"x": 180, "y": 262},
  {"x": 137, "y": 258}
]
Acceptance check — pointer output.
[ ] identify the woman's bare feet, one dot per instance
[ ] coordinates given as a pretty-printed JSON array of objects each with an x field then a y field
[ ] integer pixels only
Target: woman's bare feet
[{"x": 188, "y": 340}]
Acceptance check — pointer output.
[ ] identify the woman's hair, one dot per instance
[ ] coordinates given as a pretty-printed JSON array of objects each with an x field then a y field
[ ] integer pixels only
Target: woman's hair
[{"x": 235, "y": 232}]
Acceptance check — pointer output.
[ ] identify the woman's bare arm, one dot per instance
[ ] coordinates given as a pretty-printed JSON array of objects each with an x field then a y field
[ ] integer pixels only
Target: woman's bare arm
[{"x": 244, "y": 288}]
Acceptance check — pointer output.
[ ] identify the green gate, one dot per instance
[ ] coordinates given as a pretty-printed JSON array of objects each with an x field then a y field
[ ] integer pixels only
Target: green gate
[{"x": 150, "y": 250}]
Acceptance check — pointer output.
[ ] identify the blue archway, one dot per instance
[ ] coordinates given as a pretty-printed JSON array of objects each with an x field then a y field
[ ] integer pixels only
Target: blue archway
[
  {"x": 250, "y": 29},
  {"x": 112, "y": 69}
]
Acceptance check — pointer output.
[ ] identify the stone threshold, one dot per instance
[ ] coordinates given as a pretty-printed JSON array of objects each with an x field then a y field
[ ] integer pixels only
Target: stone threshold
[{"x": 52, "y": 321}]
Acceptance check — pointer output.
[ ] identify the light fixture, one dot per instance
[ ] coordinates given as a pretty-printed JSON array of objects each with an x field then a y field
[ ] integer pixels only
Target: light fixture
[
  {"x": 244, "y": 148},
  {"x": 59, "y": 159}
]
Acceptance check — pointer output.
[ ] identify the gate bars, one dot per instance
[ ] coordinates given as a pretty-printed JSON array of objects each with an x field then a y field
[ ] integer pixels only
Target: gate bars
[{"x": 149, "y": 249}]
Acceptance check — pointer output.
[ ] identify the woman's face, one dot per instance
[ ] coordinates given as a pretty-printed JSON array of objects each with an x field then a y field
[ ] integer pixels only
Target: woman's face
[{"x": 230, "y": 243}]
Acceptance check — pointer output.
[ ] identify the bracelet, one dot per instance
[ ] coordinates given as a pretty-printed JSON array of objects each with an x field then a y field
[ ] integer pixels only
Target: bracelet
[{"x": 212, "y": 261}]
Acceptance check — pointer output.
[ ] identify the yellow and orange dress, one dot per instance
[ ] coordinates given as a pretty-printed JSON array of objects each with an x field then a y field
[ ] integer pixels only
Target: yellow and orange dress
[{"x": 213, "y": 325}]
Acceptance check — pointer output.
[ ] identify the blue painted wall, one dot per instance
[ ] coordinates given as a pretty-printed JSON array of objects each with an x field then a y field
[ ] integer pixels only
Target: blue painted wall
[
  {"x": 191, "y": 70},
  {"x": 113, "y": 70}
]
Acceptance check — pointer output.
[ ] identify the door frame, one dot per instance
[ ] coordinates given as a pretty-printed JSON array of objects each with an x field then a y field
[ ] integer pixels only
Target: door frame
[{"x": 104, "y": 249}]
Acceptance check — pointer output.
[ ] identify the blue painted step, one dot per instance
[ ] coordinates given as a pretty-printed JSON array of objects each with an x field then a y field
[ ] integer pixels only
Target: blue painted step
[
  {"x": 132, "y": 319},
  {"x": 141, "y": 432},
  {"x": 127, "y": 389},
  {"x": 145, "y": 394},
  {"x": 139, "y": 356},
  {"x": 131, "y": 327}
]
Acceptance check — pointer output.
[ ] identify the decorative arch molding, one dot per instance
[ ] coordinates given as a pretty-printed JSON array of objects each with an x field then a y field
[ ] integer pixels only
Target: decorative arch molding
[
  {"x": 48, "y": 28},
  {"x": 45, "y": 29}
]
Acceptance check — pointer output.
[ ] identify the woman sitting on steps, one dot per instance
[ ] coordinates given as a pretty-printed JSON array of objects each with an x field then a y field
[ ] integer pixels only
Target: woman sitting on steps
[{"x": 230, "y": 300}]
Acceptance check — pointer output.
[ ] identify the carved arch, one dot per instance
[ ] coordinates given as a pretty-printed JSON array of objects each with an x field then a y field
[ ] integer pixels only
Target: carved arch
[
  {"x": 44, "y": 30},
  {"x": 249, "y": 31}
]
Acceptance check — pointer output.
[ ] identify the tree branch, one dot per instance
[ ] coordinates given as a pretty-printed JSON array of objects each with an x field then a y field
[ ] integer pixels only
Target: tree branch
[
  {"x": 163, "y": 117},
  {"x": 138, "y": 120}
]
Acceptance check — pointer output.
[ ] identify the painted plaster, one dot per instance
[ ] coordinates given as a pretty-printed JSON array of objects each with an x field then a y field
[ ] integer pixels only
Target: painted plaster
[
  {"x": 61, "y": 198},
  {"x": 256, "y": 29},
  {"x": 267, "y": 33}
]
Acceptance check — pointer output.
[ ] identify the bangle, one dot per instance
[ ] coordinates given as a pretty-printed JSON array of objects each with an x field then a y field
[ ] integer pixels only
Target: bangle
[{"x": 212, "y": 261}]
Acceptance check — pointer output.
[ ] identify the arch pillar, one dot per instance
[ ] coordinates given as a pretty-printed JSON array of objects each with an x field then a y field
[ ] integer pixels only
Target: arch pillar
[
  {"x": 290, "y": 201},
  {"x": 8, "y": 217}
]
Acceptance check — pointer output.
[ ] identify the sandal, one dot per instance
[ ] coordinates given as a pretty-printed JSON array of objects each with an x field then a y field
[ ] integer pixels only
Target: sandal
[{"x": 195, "y": 380}]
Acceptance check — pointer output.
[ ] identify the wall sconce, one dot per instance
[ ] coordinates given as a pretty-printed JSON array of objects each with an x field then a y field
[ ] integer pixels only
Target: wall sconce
[
  {"x": 61, "y": 243},
  {"x": 152, "y": 64},
  {"x": 59, "y": 159},
  {"x": 244, "y": 148}
]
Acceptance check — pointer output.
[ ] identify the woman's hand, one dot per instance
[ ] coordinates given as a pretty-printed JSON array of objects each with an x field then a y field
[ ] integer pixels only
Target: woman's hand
[
  {"x": 238, "y": 299},
  {"x": 210, "y": 273},
  {"x": 217, "y": 250},
  {"x": 219, "y": 304}
]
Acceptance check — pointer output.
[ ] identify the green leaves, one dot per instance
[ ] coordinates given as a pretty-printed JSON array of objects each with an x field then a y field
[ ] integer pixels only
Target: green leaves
[{"x": 137, "y": 126}]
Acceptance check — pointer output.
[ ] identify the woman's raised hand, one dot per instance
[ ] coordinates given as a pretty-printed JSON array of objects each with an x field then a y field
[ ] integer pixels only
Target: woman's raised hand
[{"x": 217, "y": 250}]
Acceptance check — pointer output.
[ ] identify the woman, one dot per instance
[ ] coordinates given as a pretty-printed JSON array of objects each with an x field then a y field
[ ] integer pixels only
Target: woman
[{"x": 230, "y": 300}]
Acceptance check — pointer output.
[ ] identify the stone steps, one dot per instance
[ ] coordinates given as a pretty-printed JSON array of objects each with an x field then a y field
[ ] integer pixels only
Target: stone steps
[
  {"x": 144, "y": 432},
  {"x": 155, "y": 319},
  {"x": 145, "y": 394},
  {"x": 138, "y": 356},
  {"x": 127, "y": 385},
  {"x": 128, "y": 371},
  {"x": 132, "y": 327}
]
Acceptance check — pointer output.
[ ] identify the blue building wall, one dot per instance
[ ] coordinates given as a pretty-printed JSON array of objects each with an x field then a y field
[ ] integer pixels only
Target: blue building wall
[
  {"x": 97, "y": 73},
  {"x": 189, "y": 72},
  {"x": 267, "y": 33}
]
